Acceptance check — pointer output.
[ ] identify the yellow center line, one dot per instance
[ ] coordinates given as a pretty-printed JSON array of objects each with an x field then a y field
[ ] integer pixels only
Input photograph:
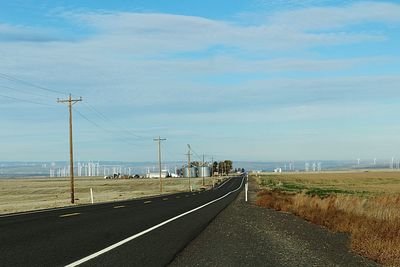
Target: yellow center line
[
  {"x": 69, "y": 215},
  {"x": 118, "y": 207},
  {"x": 148, "y": 201}
]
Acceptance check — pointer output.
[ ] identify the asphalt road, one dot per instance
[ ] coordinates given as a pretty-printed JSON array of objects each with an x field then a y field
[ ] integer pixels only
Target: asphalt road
[{"x": 64, "y": 236}]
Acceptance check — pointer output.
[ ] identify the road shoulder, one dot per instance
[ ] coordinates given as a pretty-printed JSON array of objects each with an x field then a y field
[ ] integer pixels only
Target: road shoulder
[{"x": 247, "y": 235}]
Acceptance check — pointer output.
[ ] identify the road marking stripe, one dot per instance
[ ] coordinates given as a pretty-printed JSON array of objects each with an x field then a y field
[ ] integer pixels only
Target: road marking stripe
[
  {"x": 70, "y": 214},
  {"x": 65, "y": 208},
  {"x": 165, "y": 198},
  {"x": 120, "y": 243},
  {"x": 224, "y": 183},
  {"x": 146, "y": 202},
  {"x": 118, "y": 207}
]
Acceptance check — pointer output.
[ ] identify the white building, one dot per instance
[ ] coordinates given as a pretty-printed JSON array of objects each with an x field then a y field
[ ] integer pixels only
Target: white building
[{"x": 164, "y": 174}]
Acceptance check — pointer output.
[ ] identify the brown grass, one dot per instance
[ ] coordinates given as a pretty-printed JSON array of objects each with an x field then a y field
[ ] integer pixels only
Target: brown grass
[
  {"x": 29, "y": 194},
  {"x": 374, "y": 223}
]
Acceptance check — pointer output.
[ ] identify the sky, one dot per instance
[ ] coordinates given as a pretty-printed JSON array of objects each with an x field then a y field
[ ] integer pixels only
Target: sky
[{"x": 252, "y": 80}]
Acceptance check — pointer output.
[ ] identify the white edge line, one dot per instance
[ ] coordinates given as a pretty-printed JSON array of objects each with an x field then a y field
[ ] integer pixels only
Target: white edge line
[{"x": 120, "y": 243}]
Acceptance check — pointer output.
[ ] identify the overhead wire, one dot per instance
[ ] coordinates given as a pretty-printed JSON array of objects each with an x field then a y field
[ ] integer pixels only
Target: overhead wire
[
  {"x": 105, "y": 118},
  {"x": 14, "y": 79},
  {"x": 178, "y": 163},
  {"x": 197, "y": 155},
  {"x": 22, "y": 91},
  {"x": 99, "y": 114},
  {"x": 172, "y": 155},
  {"x": 8, "y": 77},
  {"x": 27, "y": 101},
  {"x": 125, "y": 140}
]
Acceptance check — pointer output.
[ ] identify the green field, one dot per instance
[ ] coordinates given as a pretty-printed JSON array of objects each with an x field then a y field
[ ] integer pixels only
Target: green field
[{"x": 325, "y": 183}]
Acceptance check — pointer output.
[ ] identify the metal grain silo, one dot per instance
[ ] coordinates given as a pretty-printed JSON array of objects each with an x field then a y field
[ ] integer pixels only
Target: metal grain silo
[
  {"x": 204, "y": 171},
  {"x": 193, "y": 172}
]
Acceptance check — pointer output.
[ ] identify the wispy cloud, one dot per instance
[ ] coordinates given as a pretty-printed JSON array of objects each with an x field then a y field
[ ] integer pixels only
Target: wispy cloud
[
  {"x": 149, "y": 33},
  {"x": 328, "y": 18},
  {"x": 17, "y": 33}
]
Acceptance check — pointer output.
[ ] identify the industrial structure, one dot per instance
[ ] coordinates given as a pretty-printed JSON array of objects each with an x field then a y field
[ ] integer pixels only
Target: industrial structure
[{"x": 197, "y": 171}]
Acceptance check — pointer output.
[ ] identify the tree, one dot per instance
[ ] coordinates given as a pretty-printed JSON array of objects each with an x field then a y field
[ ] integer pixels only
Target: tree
[
  {"x": 220, "y": 167},
  {"x": 224, "y": 167},
  {"x": 228, "y": 164},
  {"x": 215, "y": 167}
]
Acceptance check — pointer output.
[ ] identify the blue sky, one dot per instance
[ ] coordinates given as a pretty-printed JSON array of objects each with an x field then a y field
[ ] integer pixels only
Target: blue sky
[{"x": 245, "y": 80}]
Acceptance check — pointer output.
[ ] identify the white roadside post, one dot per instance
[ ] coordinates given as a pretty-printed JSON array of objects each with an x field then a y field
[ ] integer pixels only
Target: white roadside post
[
  {"x": 91, "y": 195},
  {"x": 246, "y": 187}
]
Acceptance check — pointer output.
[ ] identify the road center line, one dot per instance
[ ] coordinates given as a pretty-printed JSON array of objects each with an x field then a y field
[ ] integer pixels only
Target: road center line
[
  {"x": 146, "y": 202},
  {"x": 69, "y": 215},
  {"x": 165, "y": 198},
  {"x": 118, "y": 207},
  {"x": 120, "y": 243},
  {"x": 223, "y": 183}
]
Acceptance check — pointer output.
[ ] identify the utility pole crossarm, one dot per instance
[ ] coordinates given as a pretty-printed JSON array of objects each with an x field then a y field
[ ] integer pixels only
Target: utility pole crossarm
[{"x": 74, "y": 101}]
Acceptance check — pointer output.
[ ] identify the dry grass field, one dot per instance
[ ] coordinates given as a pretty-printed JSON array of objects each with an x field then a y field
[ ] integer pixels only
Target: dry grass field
[
  {"x": 364, "y": 204},
  {"x": 369, "y": 183},
  {"x": 30, "y": 194}
]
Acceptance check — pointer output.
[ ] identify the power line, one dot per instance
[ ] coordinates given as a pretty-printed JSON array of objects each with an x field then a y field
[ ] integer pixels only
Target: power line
[
  {"x": 14, "y": 79},
  {"x": 173, "y": 155},
  {"x": 123, "y": 139},
  {"x": 27, "y": 101},
  {"x": 22, "y": 91},
  {"x": 105, "y": 118},
  {"x": 197, "y": 155}
]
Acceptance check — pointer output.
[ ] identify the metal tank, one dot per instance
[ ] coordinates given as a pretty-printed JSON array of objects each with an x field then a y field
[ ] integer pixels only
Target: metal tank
[
  {"x": 193, "y": 172},
  {"x": 204, "y": 171}
]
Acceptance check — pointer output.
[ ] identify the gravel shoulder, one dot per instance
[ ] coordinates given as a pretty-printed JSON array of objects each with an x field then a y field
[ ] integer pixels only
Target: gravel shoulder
[{"x": 247, "y": 235}]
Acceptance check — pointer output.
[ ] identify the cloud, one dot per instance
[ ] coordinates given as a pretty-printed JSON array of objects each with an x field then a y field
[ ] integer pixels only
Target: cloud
[
  {"x": 154, "y": 33},
  {"x": 328, "y": 18},
  {"x": 12, "y": 33}
]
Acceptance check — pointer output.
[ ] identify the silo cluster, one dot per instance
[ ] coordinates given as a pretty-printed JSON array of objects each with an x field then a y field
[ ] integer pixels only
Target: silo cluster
[{"x": 201, "y": 171}]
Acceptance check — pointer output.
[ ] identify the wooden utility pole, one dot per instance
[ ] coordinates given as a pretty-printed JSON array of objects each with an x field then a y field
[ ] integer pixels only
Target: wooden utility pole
[
  {"x": 189, "y": 167},
  {"x": 159, "y": 139},
  {"x": 202, "y": 171},
  {"x": 212, "y": 171},
  {"x": 71, "y": 102},
  {"x": 212, "y": 166}
]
